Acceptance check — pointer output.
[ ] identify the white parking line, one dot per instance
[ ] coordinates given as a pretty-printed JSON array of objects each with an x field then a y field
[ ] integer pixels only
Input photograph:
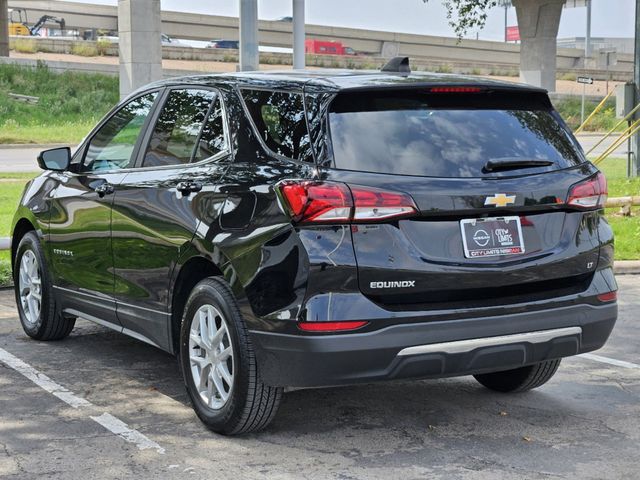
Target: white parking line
[
  {"x": 108, "y": 421},
  {"x": 610, "y": 361}
]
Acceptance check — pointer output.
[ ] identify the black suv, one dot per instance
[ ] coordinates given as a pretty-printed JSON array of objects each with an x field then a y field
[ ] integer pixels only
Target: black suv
[{"x": 308, "y": 229}]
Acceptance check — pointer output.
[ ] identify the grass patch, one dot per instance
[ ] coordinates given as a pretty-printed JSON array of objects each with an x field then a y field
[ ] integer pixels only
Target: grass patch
[
  {"x": 626, "y": 229},
  {"x": 10, "y": 192},
  {"x": 5, "y": 268},
  {"x": 70, "y": 104},
  {"x": 627, "y": 233},
  {"x": 11, "y": 187},
  {"x": 615, "y": 170}
]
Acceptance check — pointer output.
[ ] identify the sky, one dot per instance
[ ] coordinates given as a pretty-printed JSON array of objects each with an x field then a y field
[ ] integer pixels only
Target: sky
[{"x": 610, "y": 18}]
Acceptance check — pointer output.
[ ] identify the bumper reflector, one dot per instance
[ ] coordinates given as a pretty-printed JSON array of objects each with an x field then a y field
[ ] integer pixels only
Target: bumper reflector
[
  {"x": 330, "y": 326},
  {"x": 608, "y": 297}
]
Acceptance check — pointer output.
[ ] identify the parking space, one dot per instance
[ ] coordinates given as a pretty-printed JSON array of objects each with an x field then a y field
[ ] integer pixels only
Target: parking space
[{"x": 584, "y": 424}]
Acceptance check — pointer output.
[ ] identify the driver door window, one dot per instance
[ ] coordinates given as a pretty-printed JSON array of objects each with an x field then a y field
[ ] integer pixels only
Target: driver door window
[{"x": 112, "y": 146}]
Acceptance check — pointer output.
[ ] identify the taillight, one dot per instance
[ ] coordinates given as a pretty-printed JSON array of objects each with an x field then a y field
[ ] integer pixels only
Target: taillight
[
  {"x": 330, "y": 326},
  {"x": 318, "y": 202},
  {"x": 590, "y": 193},
  {"x": 372, "y": 204},
  {"x": 334, "y": 202}
]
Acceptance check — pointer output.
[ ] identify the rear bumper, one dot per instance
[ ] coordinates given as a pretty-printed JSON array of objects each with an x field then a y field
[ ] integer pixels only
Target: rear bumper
[{"x": 433, "y": 349}]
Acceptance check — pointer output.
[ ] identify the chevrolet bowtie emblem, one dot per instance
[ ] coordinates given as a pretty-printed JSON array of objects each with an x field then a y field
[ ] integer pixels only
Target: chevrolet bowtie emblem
[{"x": 500, "y": 200}]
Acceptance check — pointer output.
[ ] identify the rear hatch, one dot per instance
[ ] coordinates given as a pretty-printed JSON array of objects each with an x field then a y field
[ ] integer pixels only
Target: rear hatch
[{"x": 504, "y": 201}]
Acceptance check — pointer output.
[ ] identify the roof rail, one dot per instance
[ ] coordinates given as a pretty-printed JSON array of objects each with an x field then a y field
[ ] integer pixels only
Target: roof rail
[{"x": 398, "y": 65}]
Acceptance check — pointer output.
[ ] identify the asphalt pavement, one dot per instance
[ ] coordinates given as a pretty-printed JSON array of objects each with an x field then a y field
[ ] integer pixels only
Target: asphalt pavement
[{"x": 102, "y": 405}]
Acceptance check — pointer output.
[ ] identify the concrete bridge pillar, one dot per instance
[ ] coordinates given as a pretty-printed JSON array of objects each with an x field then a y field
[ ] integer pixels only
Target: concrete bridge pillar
[
  {"x": 538, "y": 21},
  {"x": 140, "y": 43},
  {"x": 4, "y": 28}
]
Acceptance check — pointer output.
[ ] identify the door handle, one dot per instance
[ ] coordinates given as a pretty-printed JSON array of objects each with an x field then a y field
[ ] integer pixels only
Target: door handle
[
  {"x": 104, "y": 189},
  {"x": 188, "y": 187}
]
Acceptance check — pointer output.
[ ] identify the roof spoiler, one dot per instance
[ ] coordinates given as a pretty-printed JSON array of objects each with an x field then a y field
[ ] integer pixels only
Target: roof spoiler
[{"x": 397, "y": 65}]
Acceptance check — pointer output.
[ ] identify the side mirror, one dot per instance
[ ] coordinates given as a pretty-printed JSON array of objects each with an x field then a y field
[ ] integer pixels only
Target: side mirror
[{"x": 57, "y": 159}]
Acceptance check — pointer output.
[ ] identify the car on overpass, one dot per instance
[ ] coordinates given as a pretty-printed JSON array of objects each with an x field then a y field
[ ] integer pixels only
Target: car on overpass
[
  {"x": 320, "y": 228},
  {"x": 234, "y": 44}
]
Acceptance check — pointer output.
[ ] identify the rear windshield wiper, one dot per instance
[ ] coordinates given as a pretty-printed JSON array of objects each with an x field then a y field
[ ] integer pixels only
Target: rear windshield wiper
[{"x": 514, "y": 164}]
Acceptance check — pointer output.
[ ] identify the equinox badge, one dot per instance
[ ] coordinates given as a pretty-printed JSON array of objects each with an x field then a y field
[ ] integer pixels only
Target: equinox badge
[
  {"x": 500, "y": 200},
  {"x": 402, "y": 284}
]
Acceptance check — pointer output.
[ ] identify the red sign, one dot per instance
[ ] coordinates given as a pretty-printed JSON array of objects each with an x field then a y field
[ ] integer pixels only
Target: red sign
[{"x": 513, "y": 34}]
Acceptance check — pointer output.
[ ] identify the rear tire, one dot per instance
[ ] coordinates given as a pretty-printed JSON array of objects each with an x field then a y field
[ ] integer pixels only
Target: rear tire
[
  {"x": 35, "y": 299},
  {"x": 218, "y": 363},
  {"x": 519, "y": 379}
]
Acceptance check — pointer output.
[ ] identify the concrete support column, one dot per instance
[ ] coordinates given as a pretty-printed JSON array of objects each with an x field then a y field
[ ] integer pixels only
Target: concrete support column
[
  {"x": 139, "y": 44},
  {"x": 249, "y": 55},
  {"x": 298, "y": 34},
  {"x": 4, "y": 28},
  {"x": 538, "y": 21}
]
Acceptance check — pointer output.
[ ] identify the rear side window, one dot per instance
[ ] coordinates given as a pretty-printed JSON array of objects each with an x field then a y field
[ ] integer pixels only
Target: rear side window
[
  {"x": 445, "y": 135},
  {"x": 181, "y": 134},
  {"x": 279, "y": 119}
]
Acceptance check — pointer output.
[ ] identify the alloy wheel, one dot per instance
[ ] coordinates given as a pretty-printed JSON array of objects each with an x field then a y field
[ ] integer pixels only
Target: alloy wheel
[
  {"x": 211, "y": 356},
  {"x": 30, "y": 286}
]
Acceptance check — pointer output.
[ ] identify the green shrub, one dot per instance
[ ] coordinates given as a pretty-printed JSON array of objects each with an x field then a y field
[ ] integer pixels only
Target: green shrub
[
  {"x": 24, "y": 45},
  {"x": 103, "y": 46},
  {"x": 605, "y": 119},
  {"x": 444, "y": 69},
  {"x": 568, "y": 76},
  {"x": 84, "y": 49}
]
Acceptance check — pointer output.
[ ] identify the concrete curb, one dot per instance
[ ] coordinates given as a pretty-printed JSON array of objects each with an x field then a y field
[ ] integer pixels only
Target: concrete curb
[
  {"x": 5, "y": 243},
  {"x": 627, "y": 267},
  {"x": 593, "y": 134},
  {"x": 43, "y": 146}
]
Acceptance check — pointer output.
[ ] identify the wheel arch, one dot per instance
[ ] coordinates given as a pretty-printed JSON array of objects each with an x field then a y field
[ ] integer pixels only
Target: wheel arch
[
  {"x": 21, "y": 228},
  {"x": 188, "y": 275}
]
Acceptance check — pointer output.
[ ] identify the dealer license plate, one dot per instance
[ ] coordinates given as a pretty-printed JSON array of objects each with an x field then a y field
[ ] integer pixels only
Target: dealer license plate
[{"x": 492, "y": 237}]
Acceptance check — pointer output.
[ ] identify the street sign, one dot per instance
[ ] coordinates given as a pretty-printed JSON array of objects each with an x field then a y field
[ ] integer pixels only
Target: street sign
[
  {"x": 513, "y": 34},
  {"x": 585, "y": 80}
]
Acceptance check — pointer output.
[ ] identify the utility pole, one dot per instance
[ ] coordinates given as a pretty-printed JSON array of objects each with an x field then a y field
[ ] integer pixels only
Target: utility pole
[
  {"x": 298, "y": 34},
  {"x": 635, "y": 171},
  {"x": 4, "y": 28},
  {"x": 506, "y": 21},
  {"x": 587, "y": 39},
  {"x": 249, "y": 56}
]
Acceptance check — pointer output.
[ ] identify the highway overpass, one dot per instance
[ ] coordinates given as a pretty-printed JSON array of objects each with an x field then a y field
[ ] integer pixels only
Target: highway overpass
[{"x": 194, "y": 26}]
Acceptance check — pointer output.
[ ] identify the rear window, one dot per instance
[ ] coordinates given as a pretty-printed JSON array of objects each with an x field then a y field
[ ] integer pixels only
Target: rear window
[{"x": 446, "y": 135}]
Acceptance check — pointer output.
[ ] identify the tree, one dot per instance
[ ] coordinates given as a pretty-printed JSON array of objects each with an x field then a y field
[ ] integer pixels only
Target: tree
[{"x": 465, "y": 15}]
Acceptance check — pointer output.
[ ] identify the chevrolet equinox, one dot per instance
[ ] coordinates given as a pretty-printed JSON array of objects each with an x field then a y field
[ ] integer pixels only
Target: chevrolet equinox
[{"x": 319, "y": 228}]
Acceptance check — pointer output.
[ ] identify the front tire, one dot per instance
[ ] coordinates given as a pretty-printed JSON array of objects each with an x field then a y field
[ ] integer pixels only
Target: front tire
[
  {"x": 35, "y": 299},
  {"x": 520, "y": 379},
  {"x": 219, "y": 365}
]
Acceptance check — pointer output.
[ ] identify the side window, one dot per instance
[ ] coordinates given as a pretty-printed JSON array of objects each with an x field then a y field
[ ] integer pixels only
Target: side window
[
  {"x": 111, "y": 148},
  {"x": 280, "y": 121},
  {"x": 212, "y": 138},
  {"x": 176, "y": 137}
]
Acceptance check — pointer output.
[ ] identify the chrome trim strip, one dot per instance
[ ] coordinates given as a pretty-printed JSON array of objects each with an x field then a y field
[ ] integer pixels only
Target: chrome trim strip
[
  {"x": 139, "y": 336},
  {"x": 462, "y": 346}
]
